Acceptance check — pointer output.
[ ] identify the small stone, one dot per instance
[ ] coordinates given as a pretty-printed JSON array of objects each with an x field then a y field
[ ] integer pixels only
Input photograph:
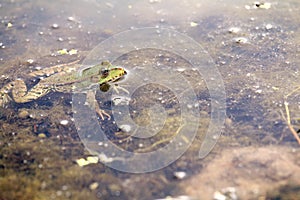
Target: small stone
[
  {"x": 94, "y": 186},
  {"x": 42, "y": 135},
  {"x": 9, "y": 25},
  {"x": 180, "y": 69},
  {"x": 126, "y": 128},
  {"x": 269, "y": 26},
  {"x": 55, "y": 26},
  {"x": 259, "y": 91},
  {"x": 64, "y": 122},
  {"x": 179, "y": 175},
  {"x": 71, "y": 19},
  {"x": 247, "y": 7},
  {"x": 30, "y": 61},
  {"x": 219, "y": 196},
  {"x": 23, "y": 114}
]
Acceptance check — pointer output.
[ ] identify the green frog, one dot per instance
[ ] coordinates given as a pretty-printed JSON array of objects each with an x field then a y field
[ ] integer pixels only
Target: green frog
[{"x": 64, "y": 78}]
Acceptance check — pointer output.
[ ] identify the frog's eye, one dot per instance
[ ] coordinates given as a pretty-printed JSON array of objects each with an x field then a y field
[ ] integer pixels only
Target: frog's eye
[{"x": 104, "y": 73}]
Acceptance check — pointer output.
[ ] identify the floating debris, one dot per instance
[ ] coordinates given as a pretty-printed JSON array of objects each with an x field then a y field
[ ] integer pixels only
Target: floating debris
[
  {"x": 154, "y": 1},
  {"x": 68, "y": 52},
  {"x": 89, "y": 160},
  {"x": 121, "y": 100},
  {"x": 241, "y": 40},
  {"x": 234, "y": 30},
  {"x": 73, "y": 52},
  {"x": 193, "y": 24},
  {"x": 262, "y": 5},
  {"x": 182, "y": 197},
  {"x": 62, "y": 51},
  {"x": 257, "y": 4}
]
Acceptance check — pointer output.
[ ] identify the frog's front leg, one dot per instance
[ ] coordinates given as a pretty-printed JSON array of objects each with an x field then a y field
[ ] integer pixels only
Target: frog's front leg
[
  {"x": 93, "y": 104},
  {"x": 22, "y": 95}
]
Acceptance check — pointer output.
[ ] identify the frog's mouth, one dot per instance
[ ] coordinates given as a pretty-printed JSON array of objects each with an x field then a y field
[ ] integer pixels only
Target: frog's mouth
[{"x": 118, "y": 77}]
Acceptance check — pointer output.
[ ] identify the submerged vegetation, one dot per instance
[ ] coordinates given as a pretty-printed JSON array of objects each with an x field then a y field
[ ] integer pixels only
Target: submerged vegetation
[{"x": 255, "y": 46}]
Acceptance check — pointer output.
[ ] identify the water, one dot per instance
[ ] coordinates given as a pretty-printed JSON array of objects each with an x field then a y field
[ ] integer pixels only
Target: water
[{"x": 255, "y": 50}]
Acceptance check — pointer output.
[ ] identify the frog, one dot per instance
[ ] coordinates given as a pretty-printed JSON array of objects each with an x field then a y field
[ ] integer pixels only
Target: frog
[{"x": 65, "y": 78}]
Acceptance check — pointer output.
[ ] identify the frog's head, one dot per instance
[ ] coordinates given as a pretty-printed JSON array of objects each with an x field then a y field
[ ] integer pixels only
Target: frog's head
[{"x": 112, "y": 75}]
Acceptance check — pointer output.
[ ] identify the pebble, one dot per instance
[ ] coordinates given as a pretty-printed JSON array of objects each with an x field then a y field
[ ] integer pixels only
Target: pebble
[
  {"x": 125, "y": 127},
  {"x": 179, "y": 175},
  {"x": 64, "y": 122},
  {"x": 269, "y": 26},
  {"x": 30, "y": 61},
  {"x": 42, "y": 135},
  {"x": 55, "y": 26},
  {"x": 71, "y": 18},
  {"x": 94, "y": 186},
  {"x": 193, "y": 24},
  {"x": 23, "y": 114},
  {"x": 9, "y": 25},
  {"x": 121, "y": 101}
]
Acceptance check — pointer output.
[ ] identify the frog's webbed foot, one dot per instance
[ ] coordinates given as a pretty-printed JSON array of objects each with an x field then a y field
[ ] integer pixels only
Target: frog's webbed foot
[{"x": 102, "y": 113}]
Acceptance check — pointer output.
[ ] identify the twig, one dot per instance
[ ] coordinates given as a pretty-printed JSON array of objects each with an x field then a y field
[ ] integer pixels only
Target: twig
[{"x": 288, "y": 117}]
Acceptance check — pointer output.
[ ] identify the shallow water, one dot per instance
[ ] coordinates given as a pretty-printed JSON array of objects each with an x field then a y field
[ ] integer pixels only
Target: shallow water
[{"x": 254, "y": 46}]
